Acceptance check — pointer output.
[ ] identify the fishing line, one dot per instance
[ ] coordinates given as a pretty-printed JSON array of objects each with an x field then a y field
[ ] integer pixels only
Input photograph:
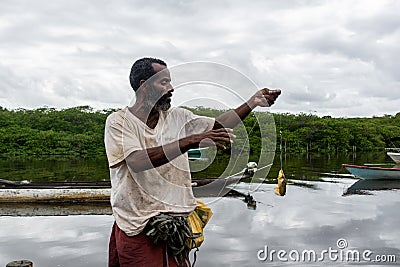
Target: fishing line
[
  {"x": 258, "y": 169},
  {"x": 280, "y": 133},
  {"x": 261, "y": 168},
  {"x": 281, "y": 187},
  {"x": 248, "y": 134},
  {"x": 280, "y": 147}
]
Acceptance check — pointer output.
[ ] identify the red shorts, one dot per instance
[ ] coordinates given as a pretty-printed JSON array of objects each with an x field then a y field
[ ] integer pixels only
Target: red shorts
[{"x": 138, "y": 250}]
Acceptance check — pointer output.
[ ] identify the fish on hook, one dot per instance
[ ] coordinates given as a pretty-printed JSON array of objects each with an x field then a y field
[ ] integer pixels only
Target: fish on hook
[{"x": 280, "y": 190}]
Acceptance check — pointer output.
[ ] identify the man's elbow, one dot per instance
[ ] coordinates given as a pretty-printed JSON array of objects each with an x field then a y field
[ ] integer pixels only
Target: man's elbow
[
  {"x": 134, "y": 168},
  {"x": 137, "y": 167},
  {"x": 135, "y": 164}
]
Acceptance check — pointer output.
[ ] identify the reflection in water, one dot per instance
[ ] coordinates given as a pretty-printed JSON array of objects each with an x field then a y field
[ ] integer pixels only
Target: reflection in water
[
  {"x": 53, "y": 168},
  {"x": 312, "y": 215},
  {"x": 362, "y": 187},
  {"x": 51, "y": 209},
  {"x": 304, "y": 219},
  {"x": 55, "y": 241},
  {"x": 246, "y": 198}
]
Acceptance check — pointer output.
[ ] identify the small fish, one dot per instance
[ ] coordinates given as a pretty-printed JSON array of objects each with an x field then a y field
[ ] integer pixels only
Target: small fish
[{"x": 280, "y": 190}]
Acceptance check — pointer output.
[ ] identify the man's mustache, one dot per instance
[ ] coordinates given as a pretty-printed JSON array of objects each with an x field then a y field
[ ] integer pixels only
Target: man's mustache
[{"x": 169, "y": 94}]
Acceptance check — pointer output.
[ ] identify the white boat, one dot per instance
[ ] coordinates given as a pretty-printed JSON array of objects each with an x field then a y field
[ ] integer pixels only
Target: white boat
[{"x": 394, "y": 154}]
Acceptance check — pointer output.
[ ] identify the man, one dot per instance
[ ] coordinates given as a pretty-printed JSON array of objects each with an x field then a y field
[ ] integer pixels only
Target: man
[{"x": 146, "y": 147}]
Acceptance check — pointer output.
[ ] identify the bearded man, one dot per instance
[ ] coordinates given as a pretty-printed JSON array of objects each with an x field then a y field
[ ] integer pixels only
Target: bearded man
[{"x": 146, "y": 147}]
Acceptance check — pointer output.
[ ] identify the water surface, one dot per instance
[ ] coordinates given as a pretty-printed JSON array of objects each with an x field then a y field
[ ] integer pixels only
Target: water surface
[{"x": 313, "y": 215}]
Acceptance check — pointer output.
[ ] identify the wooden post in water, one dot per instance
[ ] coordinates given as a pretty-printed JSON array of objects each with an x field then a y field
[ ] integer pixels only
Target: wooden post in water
[{"x": 20, "y": 263}]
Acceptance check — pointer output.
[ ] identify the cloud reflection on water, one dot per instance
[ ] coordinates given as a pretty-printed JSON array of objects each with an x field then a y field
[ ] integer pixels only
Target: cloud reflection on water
[
  {"x": 306, "y": 218},
  {"x": 56, "y": 240},
  {"x": 303, "y": 219}
]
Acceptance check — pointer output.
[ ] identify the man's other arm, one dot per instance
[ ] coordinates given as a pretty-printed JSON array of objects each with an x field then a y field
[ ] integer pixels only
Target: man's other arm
[
  {"x": 263, "y": 98},
  {"x": 153, "y": 157}
]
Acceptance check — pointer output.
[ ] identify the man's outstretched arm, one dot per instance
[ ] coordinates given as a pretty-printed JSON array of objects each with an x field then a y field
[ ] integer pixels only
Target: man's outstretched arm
[
  {"x": 153, "y": 157},
  {"x": 263, "y": 98}
]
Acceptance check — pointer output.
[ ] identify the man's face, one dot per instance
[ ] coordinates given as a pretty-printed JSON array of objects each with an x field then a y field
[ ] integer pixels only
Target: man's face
[{"x": 159, "y": 89}]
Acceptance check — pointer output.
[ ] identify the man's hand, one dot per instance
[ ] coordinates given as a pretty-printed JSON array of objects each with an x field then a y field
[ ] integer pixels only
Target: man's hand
[
  {"x": 264, "y": 98},
  {"x": 214, "y": 137}
]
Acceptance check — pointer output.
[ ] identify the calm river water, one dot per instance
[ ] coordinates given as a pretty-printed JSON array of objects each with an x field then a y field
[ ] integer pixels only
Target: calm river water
[{"x": 315, "y": 223}]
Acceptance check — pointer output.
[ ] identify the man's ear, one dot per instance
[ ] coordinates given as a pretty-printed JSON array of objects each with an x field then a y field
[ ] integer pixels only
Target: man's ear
[
  {"x": 142, "y": 85},
  {"x": 141, "y": 82}
]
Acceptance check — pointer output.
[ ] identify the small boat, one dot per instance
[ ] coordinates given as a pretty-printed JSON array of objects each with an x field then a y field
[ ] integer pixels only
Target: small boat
[
  {"x": 394, "y": 154},
  {"x": 97, "y": 192},
  {"x": 368, "y": 172},
  {"x": 78, "y": 208},
  {"x": 197, "y": 153}
]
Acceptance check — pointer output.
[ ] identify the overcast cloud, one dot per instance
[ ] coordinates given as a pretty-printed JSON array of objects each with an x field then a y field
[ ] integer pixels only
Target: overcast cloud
[{"x": 338, "y": 58}]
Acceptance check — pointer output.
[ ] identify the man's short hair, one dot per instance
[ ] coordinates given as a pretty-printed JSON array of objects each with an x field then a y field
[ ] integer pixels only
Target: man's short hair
[{"x": 143, "y": 70}]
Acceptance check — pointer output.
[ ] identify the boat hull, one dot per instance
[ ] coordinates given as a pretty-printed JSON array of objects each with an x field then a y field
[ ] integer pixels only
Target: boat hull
[
  {"x": 47, "y": 195},
  {"x": 98, "y": 192},
  {"x": 366, "y": 172}
]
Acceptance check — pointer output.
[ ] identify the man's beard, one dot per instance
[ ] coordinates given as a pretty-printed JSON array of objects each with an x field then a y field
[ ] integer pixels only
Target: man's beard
[{"x": 163, "y": 103}]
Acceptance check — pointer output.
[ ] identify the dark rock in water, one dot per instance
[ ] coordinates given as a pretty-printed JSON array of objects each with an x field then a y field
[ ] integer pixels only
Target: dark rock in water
[{"x": 20, "y": 263}]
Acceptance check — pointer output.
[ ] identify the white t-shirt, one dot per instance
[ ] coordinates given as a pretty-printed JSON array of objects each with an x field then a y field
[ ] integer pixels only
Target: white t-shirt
[{"x": 136, "y": 197}]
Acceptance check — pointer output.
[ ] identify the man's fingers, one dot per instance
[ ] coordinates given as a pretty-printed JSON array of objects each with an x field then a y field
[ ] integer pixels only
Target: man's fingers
[
  {"x": 224, "y": 130},
  {"x": 271, "y": 93},
  {"x": 216, "y": 140},
  {"x": 222, "y": 139},
  {"x": 227, "y": 136},
  {"x": 216, "y": 143},
  {"x": 275, "y": 92},
  {"x": 220, "y": 146},
  {"x": 270, "y": 96},
  {"x": 227, "y": 132},
  {"x": 216, "y": 137}
]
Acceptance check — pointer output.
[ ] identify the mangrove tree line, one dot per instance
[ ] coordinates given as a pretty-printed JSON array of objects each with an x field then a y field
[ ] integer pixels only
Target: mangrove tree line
[{"x": 79, "y": 131}]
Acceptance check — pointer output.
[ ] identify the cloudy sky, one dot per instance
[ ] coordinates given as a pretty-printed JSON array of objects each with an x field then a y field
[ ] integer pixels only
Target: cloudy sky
[{"x": 338, "y": 58}]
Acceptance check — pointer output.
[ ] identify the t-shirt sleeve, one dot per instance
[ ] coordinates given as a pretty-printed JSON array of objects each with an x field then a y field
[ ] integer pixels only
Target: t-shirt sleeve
[
  {"x": 196, "y": 124},
  {"x": 119, "y": 141}
]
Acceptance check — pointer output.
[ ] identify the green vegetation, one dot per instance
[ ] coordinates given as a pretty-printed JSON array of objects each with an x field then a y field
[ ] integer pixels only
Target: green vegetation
[
  {"x": 74, "y": 131},
  {"x": 79, "y": 131},
  {"x": 306, "y": 133}
]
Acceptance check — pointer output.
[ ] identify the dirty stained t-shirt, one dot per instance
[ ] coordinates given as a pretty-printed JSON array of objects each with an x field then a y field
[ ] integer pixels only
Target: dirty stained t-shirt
[{"x": 136, "y": 197}]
